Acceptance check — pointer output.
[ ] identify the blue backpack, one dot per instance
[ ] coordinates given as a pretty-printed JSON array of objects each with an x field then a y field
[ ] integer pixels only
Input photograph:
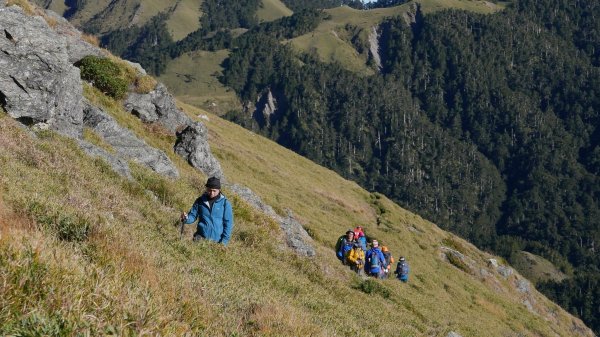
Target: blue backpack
[
  {"x": 402, "y": 269},
  {"x": 344, "y": 249},
  {"x": 374, "y": 263}
]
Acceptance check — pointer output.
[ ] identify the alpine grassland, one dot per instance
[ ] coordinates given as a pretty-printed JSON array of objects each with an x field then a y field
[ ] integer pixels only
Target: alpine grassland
[
  {"x": 194, "y": 78},
  {"x": 86, "y": 251},
  {"x": 271, "y": 10}
]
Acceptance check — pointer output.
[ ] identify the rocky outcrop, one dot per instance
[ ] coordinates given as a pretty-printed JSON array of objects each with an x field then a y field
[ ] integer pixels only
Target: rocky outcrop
[
  {"x": 157, "y": 106},
  {"x": 37, "y": 83},
  {"x": 77, "y": 48},
  {"x": 374, "y": 46},
  {"x": 266, "y": 107},
  {"x": 125, "y": 143},
  {"x": 40, "y": 87},
  {"x": 118, "y": 164},
  {"x": 192, "y": 145},
  {"x": 296, "y": 236}
]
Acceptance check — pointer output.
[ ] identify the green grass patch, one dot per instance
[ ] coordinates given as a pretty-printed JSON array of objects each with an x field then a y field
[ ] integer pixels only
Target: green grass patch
[{"x": 371, "y": 286}]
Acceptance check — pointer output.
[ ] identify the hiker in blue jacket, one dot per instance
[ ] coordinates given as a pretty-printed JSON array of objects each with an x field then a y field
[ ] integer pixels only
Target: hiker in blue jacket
[
  {"x": 374, "y": 260},
  {"x": 214, "y": 214},
  {"x": 402, "y": 270}
]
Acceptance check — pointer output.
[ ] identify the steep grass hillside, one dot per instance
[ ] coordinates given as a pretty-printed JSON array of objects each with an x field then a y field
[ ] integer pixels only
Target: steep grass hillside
[
  {"x": 271, "y": 10},
  {"x": 193, "y": 77},
  {"x": 183, "y": 15},
  {"x": 83, "y": 250}
]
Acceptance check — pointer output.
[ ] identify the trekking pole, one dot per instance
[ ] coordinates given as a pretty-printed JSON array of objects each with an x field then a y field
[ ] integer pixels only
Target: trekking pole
[{"x": 181, "y": 229}]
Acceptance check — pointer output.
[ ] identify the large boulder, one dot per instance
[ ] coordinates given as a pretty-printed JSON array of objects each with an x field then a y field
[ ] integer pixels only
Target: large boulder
[
  {"x": 192, "y": 145},
  {"x": 37, "y": 83},
  {"x": 125, "y": 143},
  {"x": 157, "y": 106},
  {"x": 77, "y": 47}
]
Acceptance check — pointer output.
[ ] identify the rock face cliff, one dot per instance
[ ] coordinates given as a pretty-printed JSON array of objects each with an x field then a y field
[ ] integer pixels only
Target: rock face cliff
[{"x": 40, "y": 87}]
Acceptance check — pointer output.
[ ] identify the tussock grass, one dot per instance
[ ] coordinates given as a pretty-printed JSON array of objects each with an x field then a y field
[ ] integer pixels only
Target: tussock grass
[
  {"x": 145, "y": 84},
  {"x": 91, "y": 39}
]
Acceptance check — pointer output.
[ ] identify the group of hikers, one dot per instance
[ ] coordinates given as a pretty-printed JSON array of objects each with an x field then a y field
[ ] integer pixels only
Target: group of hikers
[
  {"x": 214, "y": 214},
  {"x": 351, "y": 249}
]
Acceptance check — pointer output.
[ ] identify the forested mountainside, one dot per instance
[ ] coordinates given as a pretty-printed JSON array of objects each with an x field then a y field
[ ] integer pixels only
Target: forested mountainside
[{"x": 485, "y": 124}]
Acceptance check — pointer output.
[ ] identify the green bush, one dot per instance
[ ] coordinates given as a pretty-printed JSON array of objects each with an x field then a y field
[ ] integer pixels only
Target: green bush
[
  {"x": 373, "y": 287},
  {"x": 104, "y": 74}
]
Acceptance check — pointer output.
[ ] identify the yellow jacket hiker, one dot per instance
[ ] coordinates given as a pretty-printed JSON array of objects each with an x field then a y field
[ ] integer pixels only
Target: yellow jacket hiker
[{"x": 356, "y": 257}]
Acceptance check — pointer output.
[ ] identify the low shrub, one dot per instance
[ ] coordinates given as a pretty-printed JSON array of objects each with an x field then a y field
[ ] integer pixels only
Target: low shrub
[
  {"x": 104, "y": 74},
  {"x": 371, "y": 286}
]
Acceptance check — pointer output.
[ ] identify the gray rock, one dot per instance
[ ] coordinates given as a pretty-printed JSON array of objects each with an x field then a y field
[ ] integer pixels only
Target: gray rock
[
  {"x": 453, "y": 334},
  {"x": 125, "y": 143},
  {"x": 157, "y": 106},
  {"x": 523, "y": 286},
  {"x": 374, "y": 46},
  {"x": 192, "y": 145},
  {"x": 254, "y": 200},
  {"x": 138, "y": 67},
  {"x": 528, "y": 305},
  {"x": 118, "y": 164},
  {"x": 504, "y": 271},
  {"x": 296, "y": 236},
  {"x": 77, "y": 48},
  {"x": 37, "y": 83},
  {"x": 493, "y": 263}
]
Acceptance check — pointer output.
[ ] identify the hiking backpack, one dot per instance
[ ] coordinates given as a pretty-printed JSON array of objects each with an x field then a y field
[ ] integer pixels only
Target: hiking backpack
[
  {"x": 374, "y": 263},
  {"x": 403, "y": 269}
]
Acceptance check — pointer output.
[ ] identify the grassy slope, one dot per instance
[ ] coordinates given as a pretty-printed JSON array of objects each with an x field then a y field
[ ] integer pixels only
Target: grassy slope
[
  {"x": 271, "y": 10},
  {"x": 537, "y": 268},
  {"x": 328, "y": 39},
  {"x": 58, "y": 6},
  {"x": 131, "y": 273},
  {"x": 191, "y": 77},
  {"x": 184, "y": 19}
]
